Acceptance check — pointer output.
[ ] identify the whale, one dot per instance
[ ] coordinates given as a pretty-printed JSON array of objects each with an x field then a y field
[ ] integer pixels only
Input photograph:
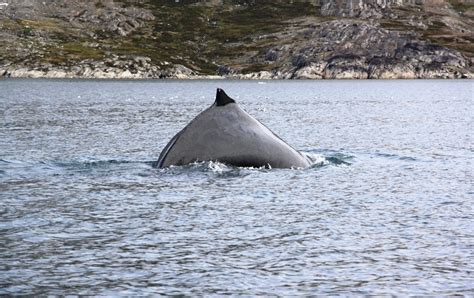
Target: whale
[{"x": 225, "y": 133}]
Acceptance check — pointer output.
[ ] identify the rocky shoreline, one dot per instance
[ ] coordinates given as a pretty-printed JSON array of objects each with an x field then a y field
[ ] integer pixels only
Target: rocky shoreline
[
  {"x": 311, "y": 72},
  {"x": 338, "y": 67},
  {"x": 113, "y": 40},
  {"x": 262, "y": 75}
]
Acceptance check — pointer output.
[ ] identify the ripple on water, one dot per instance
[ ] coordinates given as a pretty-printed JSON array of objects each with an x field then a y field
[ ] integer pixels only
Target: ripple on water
[{"x": 385, "y": 208}]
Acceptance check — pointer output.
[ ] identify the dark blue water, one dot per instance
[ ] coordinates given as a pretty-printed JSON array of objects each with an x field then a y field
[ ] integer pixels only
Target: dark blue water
[{"x": 387, "y": 208}]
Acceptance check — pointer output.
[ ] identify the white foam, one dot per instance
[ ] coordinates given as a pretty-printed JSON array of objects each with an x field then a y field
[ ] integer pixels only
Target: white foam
[
  {"x": 316, "y": 159},
  {"x": 217, "y": 167}
]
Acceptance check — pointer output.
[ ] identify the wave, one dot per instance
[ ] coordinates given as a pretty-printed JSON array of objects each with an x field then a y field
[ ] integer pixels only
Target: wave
[
  {"x": 98, "y": 163},
  {"x": 321, "y": 158},
  {"x": 83, "y": 165},
  {"x": 317, "y": 160}
]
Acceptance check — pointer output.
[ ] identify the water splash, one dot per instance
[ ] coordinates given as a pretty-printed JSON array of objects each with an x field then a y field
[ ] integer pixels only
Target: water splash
[{"x": 325, "y": 158}]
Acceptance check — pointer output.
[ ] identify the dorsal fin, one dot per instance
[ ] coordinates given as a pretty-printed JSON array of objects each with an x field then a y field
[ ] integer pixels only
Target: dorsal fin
[{"x": 222, "y": 99}]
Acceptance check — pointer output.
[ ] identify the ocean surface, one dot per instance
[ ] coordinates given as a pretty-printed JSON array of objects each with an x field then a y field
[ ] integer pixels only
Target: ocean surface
[{"x": 386, "y": 208}]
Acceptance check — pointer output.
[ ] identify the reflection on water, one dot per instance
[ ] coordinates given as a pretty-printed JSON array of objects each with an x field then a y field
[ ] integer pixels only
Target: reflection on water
[{"x": 385, "y": 209}]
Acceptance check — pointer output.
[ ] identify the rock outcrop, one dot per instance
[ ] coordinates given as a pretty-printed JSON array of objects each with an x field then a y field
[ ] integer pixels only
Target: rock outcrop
[
  {"x": 115, "y": 67},
  {"x": 106, "y": 15},
  {"x": 354, "y": 49}
]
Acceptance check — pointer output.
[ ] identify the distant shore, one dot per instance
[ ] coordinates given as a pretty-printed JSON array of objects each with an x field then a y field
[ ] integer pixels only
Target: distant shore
[
  {"x": 181, "y": 72},
  {"x": 260, "y": 40}
]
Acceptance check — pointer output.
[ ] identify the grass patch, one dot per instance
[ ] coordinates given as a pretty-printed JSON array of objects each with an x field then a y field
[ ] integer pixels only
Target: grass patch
[
  {"x": 50, "y": 25},
  {"x": 206, "y": 33},
  {"x": 461, "y": 6},
  {"x": 395, "y": 25},
  {"x": 256, "y": 68},
  {"x": 76, "y": 50}
]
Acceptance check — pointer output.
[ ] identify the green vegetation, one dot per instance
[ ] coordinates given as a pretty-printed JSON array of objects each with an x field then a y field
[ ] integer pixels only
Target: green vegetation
[
  {"x": 395, "y": 25},
  {"x": 207, "y": 34},
  {"x": 462, "y": 6},
  {"x": 80, "y": 51},
  {"x": 437, "y": 31}
]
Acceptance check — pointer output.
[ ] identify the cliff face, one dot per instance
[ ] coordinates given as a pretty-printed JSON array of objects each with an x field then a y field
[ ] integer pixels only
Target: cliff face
[
  {"x": 372, "y": 8},
  {"x": 239, "y": 39},
  {"x": 364, "y": 50}
]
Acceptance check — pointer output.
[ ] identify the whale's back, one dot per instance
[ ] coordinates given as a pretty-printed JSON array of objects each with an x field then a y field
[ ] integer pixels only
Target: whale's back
[{"x": 228, "y": 134}]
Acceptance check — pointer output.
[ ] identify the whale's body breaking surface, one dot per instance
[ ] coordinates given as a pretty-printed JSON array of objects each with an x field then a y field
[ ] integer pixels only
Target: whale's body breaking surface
[{"x": 226, "y": 133}]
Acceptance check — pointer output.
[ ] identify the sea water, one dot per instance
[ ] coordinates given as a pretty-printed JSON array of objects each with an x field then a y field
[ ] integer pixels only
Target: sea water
[{"x": 386, "y": 208}]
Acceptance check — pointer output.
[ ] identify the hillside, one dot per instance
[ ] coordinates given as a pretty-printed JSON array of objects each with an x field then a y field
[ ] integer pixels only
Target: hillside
[{"x": 237, "y": 39}]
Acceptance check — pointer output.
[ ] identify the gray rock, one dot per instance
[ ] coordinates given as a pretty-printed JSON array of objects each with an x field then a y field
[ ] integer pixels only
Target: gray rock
[
  {"x": 358, "y": 8},
  {"x": 312, "y": 71},
  {"x": 300, "y": 61},
  {"x": 358, "y": 49},
  {"x": 177, "y": 71},
  {"x": 346, "y": 66},
  {"x": 224, "y": 70},
  {"x": 271, "y": 55},
  {"x": 261, "y": 75}
]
